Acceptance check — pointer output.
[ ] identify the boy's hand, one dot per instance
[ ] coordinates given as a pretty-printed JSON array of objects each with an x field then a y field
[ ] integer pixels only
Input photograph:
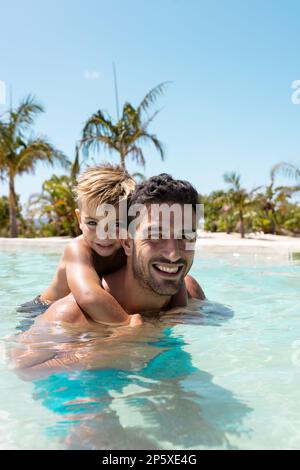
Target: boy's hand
[{"x": 135, "y": 320}]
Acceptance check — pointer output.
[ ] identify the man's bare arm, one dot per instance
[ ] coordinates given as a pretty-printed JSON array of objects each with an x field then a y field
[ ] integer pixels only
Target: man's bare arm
[{"x": 190, "y": 289}]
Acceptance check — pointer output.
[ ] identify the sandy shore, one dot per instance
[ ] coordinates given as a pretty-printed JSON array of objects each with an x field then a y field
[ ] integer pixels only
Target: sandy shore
[
  {"x": 208, "y": 242},
  {"x": 257, "y": 244}
]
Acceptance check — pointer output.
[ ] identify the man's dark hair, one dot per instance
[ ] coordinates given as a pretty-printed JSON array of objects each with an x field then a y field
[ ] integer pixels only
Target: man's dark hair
[{"x": 164, "y": 188}]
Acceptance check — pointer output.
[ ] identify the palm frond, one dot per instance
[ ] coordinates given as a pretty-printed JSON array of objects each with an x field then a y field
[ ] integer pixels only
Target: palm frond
[
  {"x": 287, "y": 169},
  {"x": 39, "y": 150},
  {"x": 137, "y": 154},
  {"x": 157, "y": 144},
  {"x": 25, "y": 113},
  {"x": 99, "y": 129},
  {"x": 75, "y": 166},
  {"x": 152, "y": 96},
  {"x": 150, "y": 119},
  {"x": 138, "y": 175},
  {"x": 232, "y": 179},
  {"x": 254, "y": 190},
  {"x": 288, "y": 190}
]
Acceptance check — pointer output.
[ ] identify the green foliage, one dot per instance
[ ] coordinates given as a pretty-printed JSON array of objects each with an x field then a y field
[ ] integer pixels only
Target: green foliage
[
  {"x": 26, "y": 227},
  {"x": 265, "y": 209},
  {"x": 291, "y": 222},
  {"x": 54, "y": 208},
  {"x": 4, "y": 216}
]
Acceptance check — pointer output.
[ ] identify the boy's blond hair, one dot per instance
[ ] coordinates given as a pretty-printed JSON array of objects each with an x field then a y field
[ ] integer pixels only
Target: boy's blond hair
[{"x": 104, "y": 183}]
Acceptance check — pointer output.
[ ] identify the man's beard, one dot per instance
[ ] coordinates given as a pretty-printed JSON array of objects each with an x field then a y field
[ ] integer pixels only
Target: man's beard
[{"x": 142, "y": 274}]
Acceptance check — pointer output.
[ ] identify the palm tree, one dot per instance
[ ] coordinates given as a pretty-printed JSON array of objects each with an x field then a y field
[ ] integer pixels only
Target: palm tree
[
  {"x": 19, "y": 153},
  {"x": 238, "y": 198},
  {"x": 272, "y": 198},
  {"x": 218, "y": 212},
  {"x": 287, "y": 169},
  {"x": 127, "y": 135},
  {"x": 75, "y": 166}
]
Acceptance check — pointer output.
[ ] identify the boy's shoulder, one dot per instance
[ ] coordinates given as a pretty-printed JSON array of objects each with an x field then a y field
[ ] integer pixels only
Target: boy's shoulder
[
  {"x": 78, "y": 242},
  {"x": 77, "y": 246},
  {"x": 78, "y": 249}
]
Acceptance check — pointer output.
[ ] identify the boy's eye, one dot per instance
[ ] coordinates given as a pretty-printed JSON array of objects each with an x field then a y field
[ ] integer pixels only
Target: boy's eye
[{"x": 92, "y": 223}]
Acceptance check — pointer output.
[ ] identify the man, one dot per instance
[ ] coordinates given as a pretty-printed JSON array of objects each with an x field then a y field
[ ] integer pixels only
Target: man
[{"x": 156, "y": 267}]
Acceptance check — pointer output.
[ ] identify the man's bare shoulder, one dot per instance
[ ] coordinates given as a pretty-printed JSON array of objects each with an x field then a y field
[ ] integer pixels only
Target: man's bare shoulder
[{"x": 193, "y": 288}]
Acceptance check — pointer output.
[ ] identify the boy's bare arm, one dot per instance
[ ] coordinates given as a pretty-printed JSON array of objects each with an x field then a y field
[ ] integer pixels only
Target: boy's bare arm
[{"x": 84, "y": 284}]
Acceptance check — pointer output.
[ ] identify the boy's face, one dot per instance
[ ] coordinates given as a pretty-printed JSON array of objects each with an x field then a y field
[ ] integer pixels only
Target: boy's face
[{"x": 89, "y": 223}]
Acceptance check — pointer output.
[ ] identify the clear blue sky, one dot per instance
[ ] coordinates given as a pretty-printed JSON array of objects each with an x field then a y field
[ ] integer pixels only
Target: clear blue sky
[{"x": 232, "y": 63}]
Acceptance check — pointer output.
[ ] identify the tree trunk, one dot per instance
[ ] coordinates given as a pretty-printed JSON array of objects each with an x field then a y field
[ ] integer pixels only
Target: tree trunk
[
  {"x": 12, "y": 208},
  {"x": 242, "y": 225},
  {"x": 273, "y": 223},
  {"x": 122, "y": 151},
  {"x": 122, "y": 164}
]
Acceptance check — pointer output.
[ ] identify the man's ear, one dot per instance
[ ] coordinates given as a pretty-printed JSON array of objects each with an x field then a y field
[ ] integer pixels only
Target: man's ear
[{"x": 127, "y": 244}]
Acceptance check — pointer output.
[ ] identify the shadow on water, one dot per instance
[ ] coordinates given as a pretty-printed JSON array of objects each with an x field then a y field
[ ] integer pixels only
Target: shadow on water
[{"x": 166, "y": 403}]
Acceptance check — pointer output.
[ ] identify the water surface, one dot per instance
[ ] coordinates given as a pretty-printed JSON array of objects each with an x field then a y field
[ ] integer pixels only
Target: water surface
[{"x": 190, "y": 381}]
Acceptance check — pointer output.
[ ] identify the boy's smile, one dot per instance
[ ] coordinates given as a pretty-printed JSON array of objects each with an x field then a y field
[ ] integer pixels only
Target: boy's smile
[{"x": 89, "y": 224}]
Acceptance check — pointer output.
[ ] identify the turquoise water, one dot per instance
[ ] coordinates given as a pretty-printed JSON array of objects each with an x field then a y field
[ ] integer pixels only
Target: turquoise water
[{"x": 190, "y": 381}]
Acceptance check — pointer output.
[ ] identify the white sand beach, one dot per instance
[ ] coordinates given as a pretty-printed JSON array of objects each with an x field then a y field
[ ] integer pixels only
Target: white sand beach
[
  {"x": 208, "y": 242},
  {"x": 254, "y": 244}
]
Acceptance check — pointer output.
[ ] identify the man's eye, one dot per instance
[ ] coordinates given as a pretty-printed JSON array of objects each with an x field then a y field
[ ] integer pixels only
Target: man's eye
[{"x": 92, "y": 223}]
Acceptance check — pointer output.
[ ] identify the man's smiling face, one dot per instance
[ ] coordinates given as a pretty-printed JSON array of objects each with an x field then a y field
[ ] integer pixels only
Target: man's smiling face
[{"x": 159, "y": 263}]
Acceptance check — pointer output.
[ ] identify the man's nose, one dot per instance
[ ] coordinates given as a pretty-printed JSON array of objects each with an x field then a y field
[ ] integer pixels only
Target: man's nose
[{"x": 171, "y": 250}]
